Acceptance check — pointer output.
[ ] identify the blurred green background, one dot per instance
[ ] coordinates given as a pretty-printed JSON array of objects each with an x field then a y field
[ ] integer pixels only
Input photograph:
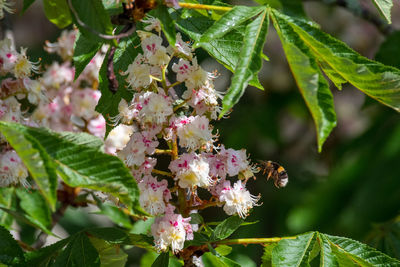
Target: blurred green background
[{"x": 351, "y": 189}]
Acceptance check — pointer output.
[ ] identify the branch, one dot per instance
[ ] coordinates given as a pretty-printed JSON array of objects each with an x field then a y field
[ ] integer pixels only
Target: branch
[{"x": 246, "y": 241}]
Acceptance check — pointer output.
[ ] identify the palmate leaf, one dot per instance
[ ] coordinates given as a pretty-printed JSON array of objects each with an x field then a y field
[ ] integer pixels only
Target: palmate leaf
[
  {"x": 250, "y": 61},
  {"x": 373, "y": 78},
  {"x": 77, "y": 158},
  {"x": 384, "y": 6},
  {"x": 312, "y": 84},
  {"x": 334, "y": 251}
]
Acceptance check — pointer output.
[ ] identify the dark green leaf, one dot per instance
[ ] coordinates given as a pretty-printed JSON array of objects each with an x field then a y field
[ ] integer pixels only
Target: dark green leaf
[
  {"x": 359, "y": 253},
  {"x": 196, "y": 218},
  {"x": 250, "y": 62},
  {"x": 167, "y": 24},
  {"x": 35, "y": 207},
  {"x": 141, "y": 241},
  {"x": 294, "y": 252},
  {"x": 229, "y": 21},
  {"x": 312, "y": 84},
  {"x": 84, "y": 51},
  {"x": 110, "y": 255},
  {"x": 374, "y": 79},
  {"x": 217, "y": 261},
  {"x": 162, "y": 260},
  {"x": 10, "y": 251},
  {"x": 126, "y": 52},
  {"x": 384, "y": 6},
  {"x": 79, "y": 252},
  {"x": 110, "y": 234},
  {"x": 93, "y": 14},
  {"x": 225, "y": 50},
  {"x": 114, "y": 213},
  {"x": 57, "y": 11},
  {"x": 35, "y": 158},
  {"x": 78, "y": 157},
  {"x": 7, "y": 198},
  {"x": 45, "y": 255},
  {"x": 27, "y": 4},
  {"x": 227, "y": 227}
]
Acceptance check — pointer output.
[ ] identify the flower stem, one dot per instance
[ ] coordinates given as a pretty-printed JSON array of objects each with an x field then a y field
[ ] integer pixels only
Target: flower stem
[
  {"x": 207, "y": 7},
  {"x": 162, "y": 173},
  {"x": 245, "y": 241},
  {"x": 163, "y": 151}
]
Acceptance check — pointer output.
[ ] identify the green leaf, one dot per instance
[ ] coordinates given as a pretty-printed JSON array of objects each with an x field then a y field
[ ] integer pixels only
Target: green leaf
[
  {"x": 267, "y": 255},
  {"x": 217, "y": 261},
  {"x": 57, "y": 11},
  {"x": 384, "y": 6},
  {"x": 110, "y": 234},
  {"x": 229, "y": 21},
  {"x": 84, "y": 51},
  {"x": 45, "y": 255},
  {"x": 250, "y": 62},
  {"x": 110, "y": 255},
  {"x": 359, "y": 253},
  {"x": 162, "y": 260},
  {"x": 10, "y": 251},
  {"x": 141, "y": 241},
  {"x": 79, "y": 252},
  {"x": 226, "y": 227},
  {"x": 35, "y": 158},
  {"x": 126, "y": 52},
  {"x": 35, "y": 207},
  {"x": 114, "y": 213},
  {"x": 374, "y": 79},
  {"x": 312, "y": 84},
  {"x": 93, "y": 14},
  {"x": 293, "y": 252},
  {"x": 196, "y": 218},
  {"x": 167, "y": 24},
  {"x": 79, "y": 160},
  {"x": 26, "y": 5},
  {"x": 223, "y": 250},
  {"x": 7, "y": 198},
  {"x": 225, "y": 50}
]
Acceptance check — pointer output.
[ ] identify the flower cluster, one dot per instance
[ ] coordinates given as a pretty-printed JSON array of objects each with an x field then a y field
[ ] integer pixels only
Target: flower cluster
[
  {"x": 173, "y": 104},
  {"x": 58, "y": 101},
  {"x": 170, "y": 114}
]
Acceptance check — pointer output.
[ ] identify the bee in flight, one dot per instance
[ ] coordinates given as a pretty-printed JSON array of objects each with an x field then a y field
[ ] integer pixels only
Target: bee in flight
[{"x": 276, "y": 172}]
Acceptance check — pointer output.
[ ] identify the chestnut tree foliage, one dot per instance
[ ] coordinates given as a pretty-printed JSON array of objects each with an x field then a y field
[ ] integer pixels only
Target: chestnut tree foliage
[{"x": 88, "y": 131}]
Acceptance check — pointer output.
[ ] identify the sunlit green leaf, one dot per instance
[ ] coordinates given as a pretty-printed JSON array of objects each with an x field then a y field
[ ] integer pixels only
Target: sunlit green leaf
[
  {"x": 374, "y": 79},
  {"x": 312, "y": 84},
  {"x": 384, "y": 6},
  {"x": 294, "y": 252},
  {"x": 227, "y": 227},
  {"x": 79, "y": 160},
  {"x": 110, "y": 255},
  {"x": 57, "y": 11},
  {"x": 162, "y": 260},
  {"x": 36, "y": 208},
  {"x": 250, "y": 62}
]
